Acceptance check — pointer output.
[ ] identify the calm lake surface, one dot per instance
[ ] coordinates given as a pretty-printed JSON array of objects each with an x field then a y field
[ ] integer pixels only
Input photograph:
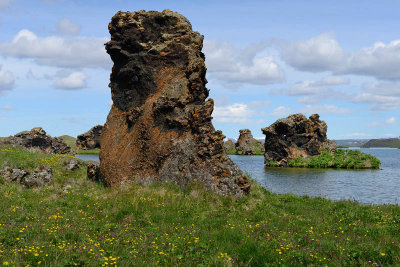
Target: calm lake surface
[{"x": 365, "y": 186}]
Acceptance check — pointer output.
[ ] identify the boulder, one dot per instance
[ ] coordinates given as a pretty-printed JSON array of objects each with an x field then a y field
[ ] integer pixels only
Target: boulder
[
  {"x": 159, "y": 128},
  {"x": 93, "y": 171},
  {"x": 38, "y": 141},
  {"x": 247, "y": 145},
  {"x": 296, "y": 136},
  {"x": 90, "y": 139},
  {"x": 13, "y": 175},
  {"x": 71, "y": 164},
  {"x": 229, "y": 146},
  {"x": 39, "y": 177}
]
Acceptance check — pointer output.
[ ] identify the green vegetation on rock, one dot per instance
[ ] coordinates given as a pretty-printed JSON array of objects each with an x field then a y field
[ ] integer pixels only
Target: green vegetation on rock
[
  {"x": 71, "y": 141},
  {"x": 74, "y": 221},
  {"x": 343, "y": 159}
]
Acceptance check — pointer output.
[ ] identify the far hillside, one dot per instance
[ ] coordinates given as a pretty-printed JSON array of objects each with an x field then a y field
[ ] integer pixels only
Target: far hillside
[
  {"x": 351, "y": 142},
  {"x": 69, "y": 140},
  {"x": 388, "y": 142}
]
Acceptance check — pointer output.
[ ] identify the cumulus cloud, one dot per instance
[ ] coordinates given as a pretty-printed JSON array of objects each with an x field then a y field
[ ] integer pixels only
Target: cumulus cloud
[
  {"x": 7, "y": 80},
  {"x": 235, "y": 113},
  {"x": 377, "y": 102},
  {"x": 234, "y": 67},
  {"x": 320, "y": 53},
  {"x": 380, "y": 60},
  {"x": 391, "y": 120},
  {"x": 65, "y": 26},
  {"x": 333, "y": 80},
  {"x": 260, "y": 104},
  {"x": 387, "y": 122},
  {"x": 325, "y": 109},
  {"x": 281, "y": 111},
  {"x": 73, "y": 81},
  {"x": 73, "y": 52},
  {"x": 324, "y": 53}
]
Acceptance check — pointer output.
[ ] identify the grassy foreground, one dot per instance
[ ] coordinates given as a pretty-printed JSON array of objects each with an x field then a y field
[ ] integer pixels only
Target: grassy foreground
[
  {"x": 74, "y": 221},
  {"x": 343, "y": 159}
]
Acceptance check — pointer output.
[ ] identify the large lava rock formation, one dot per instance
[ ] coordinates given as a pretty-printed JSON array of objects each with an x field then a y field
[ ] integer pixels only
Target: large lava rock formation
[
  {"x": 159, "y": 127},
  {"x": 247, "y": 144},
  {"x": 90, "y": 139},
  {"x": 296, "y": 136},
  {"x": 38, "y": 141}
]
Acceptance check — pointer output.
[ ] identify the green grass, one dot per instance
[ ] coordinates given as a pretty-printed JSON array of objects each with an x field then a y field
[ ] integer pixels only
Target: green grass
[
  {"x": 95, "y": 151},
  {"x": 343, "y": 159},
  {"x": 69, "y": 140},
  {"x": 162, "y": 225}
]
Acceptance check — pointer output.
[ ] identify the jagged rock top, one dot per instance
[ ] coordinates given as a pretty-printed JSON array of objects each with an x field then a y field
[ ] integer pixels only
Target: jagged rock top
[
  {"x": 296, "y": 136},
  {"x": 90, "y": 139},
  {"x": 247, "y": 144},
  {"x": 159, "y": 127},
  {"x": 37, "y": 140}
]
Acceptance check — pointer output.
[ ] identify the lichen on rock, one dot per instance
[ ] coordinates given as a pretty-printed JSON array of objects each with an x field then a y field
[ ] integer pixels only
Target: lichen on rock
[
  {"x": 90, "y": 139},
  {"x": 247, "y": 144},
  {"x": 159, "y": 128},
  {"x": 296, "y": 136},
  {"x": 38, "y": 141}
]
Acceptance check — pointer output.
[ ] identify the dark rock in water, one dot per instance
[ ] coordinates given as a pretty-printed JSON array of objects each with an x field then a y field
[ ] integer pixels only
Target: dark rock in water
[
  {"x": 93, "y": 171},
  {"x": 296, "y": 136},
  {"x": 159, "y": 128},
  {"x": 38, "y": 141},
  {"x": 40, "y": 176},
  {"x": 90, "y": 139},
  {"x": 230, "y": 146},
  {"x": 247, "y": 145},
  {"x": 13, "y": 175}
]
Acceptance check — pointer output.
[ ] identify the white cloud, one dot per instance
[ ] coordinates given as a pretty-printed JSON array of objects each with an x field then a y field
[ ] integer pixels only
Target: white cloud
[
  {"x": 325, "y": 109},
  {"x": 7, "y": 80},
  {"x": 391, "y": 120},
  {"x": 380, "y": 60},
  {"x": 110, "y": 103},
  {"x": 386, "y": 88},
  {"x": 6, "y": 107},
  {"x": 320, "y": 53},
  {"x": 333, "y": 80},
  {"x": 73, "y": 52},
  {"x": 4, "y": 3},
  {"x": 377, "y": 102},
  {"x": 65, "y": 26},
  {"x": 236, "y": 113},
  {"x": 305, "y": 88},
  {"x": 234, "y": 67},
  {"x": 281, "y": 111},
  {"x": 73, "y": 81}
]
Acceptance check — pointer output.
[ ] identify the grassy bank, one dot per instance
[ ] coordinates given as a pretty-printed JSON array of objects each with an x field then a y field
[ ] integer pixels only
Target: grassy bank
[
  {"x": 235, "y": 152},
  {"x": 163, "y": 225},
  {"x": 343, "y": 159},
  {"x": 95, "y": 151}
]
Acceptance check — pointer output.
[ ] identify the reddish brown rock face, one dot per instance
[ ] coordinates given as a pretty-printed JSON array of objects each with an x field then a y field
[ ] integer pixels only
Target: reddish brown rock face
[
  {"x": 159, "y": 127},
  {"x": 247, "y": 144},
  {"x": 296, "y": 136}
]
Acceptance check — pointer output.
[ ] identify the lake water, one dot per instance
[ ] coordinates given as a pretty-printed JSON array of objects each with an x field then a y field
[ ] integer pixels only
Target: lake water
[{"x": 365, "y": 186}]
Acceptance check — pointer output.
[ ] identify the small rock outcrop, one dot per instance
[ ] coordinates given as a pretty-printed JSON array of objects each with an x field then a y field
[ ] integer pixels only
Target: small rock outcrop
[
  {"x": 247, "y": 145},
  {"x": 37, "y": 178},
  {"x": 71, "y": 164},
  {"x": 38, "y": 141},
  {"x": 93, "y": 171},
  {"x": 230, "y": 146},
  {"x": 90, "y": 139},
  {"x": 296, "y": 136},
  {"x": 159, "y": 128}
]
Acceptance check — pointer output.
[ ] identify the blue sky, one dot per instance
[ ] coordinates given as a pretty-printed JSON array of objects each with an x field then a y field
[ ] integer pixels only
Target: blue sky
[{"x": 265, "y": 60}]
